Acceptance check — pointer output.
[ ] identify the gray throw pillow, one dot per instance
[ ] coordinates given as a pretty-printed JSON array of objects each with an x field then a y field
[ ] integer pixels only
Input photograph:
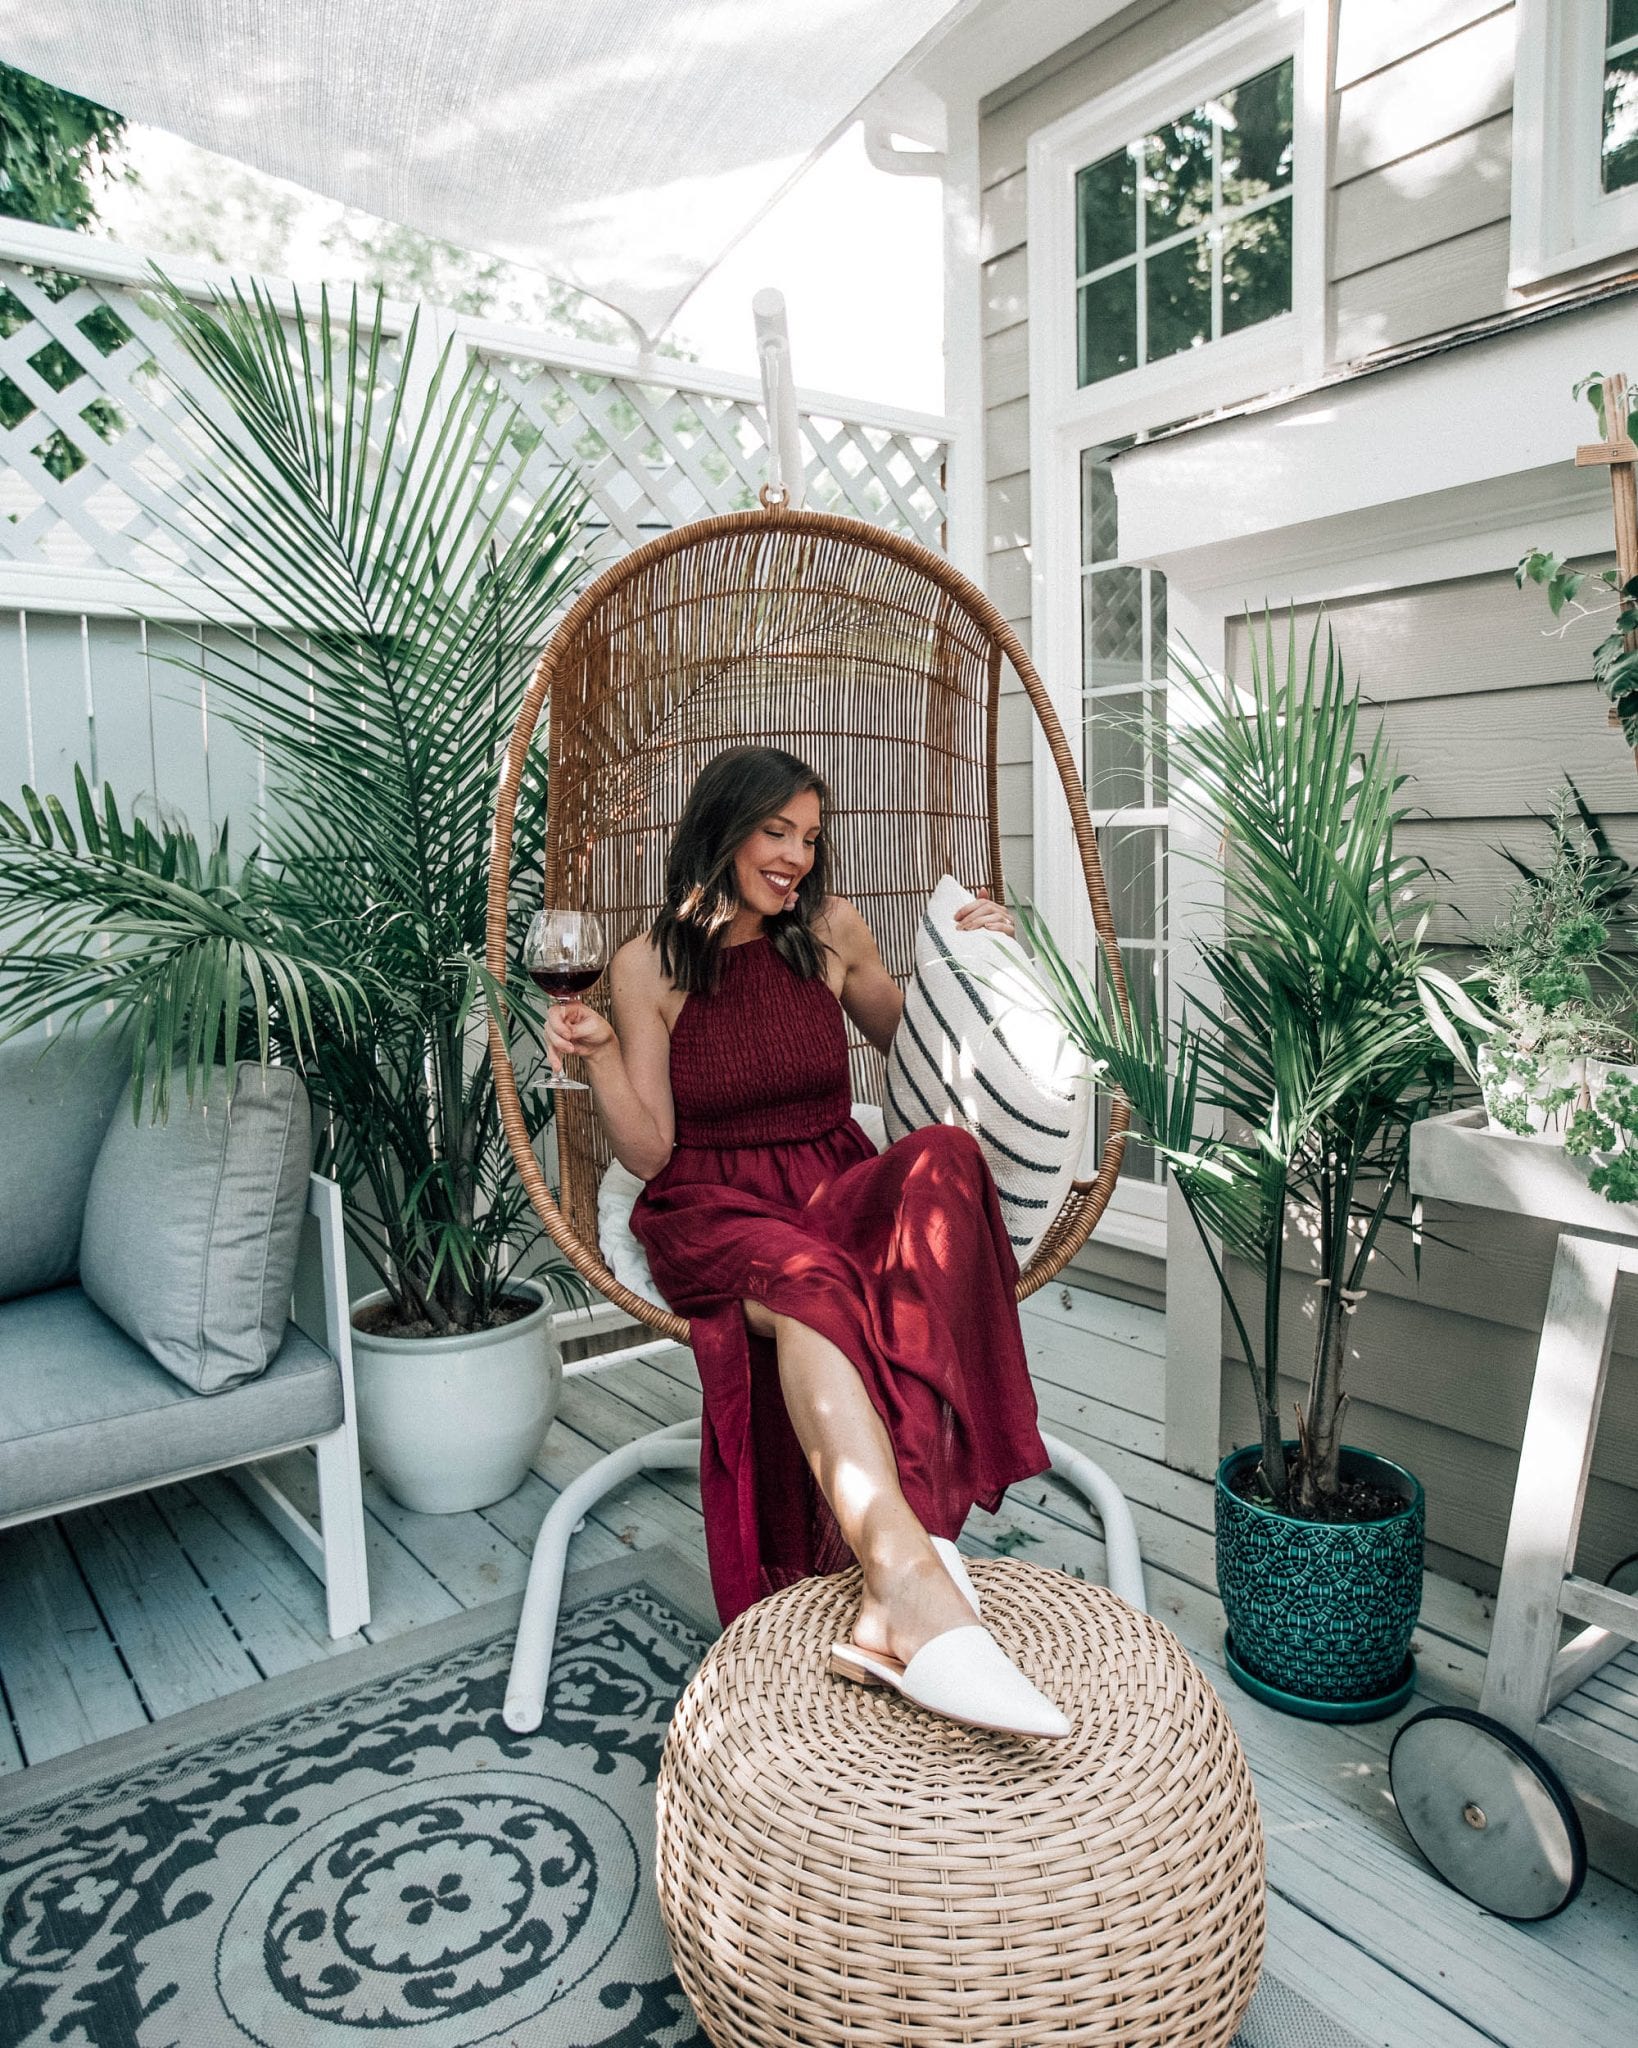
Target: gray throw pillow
[
  {"x": 192, "y": 1226},
  {"x": 57, "y": 1097}
]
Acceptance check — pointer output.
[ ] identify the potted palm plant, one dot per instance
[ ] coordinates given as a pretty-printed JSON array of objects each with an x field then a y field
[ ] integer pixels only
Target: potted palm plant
[
  {"x": 381, "y": 582},
  {"x": 1332, "y": 1031}
]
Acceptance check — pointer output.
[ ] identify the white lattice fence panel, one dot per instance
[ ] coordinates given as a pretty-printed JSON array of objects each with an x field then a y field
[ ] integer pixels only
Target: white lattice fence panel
[
  {"x": 95, "y": 453},
  {"x": 653, "y": 456},
  {"x": 88, "y": 439}
]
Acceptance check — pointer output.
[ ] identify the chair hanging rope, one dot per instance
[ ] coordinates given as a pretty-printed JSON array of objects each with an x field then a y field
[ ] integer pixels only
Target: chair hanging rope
[{"x": 860, "y": 649}]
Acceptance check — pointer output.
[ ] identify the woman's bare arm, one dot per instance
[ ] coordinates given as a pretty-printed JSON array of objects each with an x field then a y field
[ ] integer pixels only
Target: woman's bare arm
[
  {"x": 869, "y": 994},
  {"x": 628, "y": 1061}
]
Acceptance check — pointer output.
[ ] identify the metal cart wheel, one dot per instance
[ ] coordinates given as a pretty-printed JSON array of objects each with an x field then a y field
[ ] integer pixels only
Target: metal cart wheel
[
  {"x": 1623, "y": 1577},
  {"x": 1489, "y": 1813}
]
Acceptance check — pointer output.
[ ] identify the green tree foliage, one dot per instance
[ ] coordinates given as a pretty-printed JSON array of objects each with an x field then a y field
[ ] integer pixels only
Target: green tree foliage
[{"x": 54, "y": 151}]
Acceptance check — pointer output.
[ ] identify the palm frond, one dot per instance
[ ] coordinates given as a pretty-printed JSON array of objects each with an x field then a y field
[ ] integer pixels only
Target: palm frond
[{"x": 379, "y": 585}]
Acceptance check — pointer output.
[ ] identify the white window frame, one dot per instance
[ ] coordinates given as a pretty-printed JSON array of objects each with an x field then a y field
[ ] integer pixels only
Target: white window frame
[
  {"x": 1563, "y": 219},
  {"x": 1243, "y": 365},
  {"x": 1066, "y": 418}
]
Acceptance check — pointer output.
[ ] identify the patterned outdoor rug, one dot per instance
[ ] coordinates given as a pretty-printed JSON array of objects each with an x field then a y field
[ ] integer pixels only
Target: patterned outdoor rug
[{"x": 362, "y": 1850}]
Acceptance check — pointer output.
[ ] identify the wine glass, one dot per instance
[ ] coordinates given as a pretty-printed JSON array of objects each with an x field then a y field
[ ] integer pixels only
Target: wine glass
[{"x": 564, "y": 952}]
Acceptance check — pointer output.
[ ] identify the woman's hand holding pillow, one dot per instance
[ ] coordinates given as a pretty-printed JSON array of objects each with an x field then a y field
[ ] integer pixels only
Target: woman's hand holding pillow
[{"x": 983, "y": 915}]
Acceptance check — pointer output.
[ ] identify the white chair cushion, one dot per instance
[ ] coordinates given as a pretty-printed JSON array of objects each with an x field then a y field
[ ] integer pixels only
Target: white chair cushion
[
  {"x": 979, "y": 1047},
  {"x": 622, "y": 1254},
  {"x": 619, "y": 1189}
]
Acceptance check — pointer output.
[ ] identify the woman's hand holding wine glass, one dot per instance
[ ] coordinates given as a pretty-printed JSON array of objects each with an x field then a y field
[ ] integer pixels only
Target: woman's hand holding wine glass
[{"x": 564, "y": 953}]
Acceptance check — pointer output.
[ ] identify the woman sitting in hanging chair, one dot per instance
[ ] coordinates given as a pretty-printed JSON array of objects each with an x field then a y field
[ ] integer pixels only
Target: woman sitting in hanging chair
[{"x": 852, "y": 1314}]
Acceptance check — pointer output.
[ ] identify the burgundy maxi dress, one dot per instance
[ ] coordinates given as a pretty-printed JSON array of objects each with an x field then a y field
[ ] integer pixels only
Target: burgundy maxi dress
[{"x": 774, "y": 1193}]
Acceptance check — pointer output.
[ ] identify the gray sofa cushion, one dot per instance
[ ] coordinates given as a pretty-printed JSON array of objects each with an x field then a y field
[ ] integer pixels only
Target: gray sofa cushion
[
  {"x": 192, "y": 1226},
  {"x": 84, "y": 1410},
  {"x": 57, "y": 1097}
]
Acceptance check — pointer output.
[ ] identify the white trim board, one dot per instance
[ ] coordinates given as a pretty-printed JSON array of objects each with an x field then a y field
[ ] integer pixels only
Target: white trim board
[{"x": 1260, "y": 487}]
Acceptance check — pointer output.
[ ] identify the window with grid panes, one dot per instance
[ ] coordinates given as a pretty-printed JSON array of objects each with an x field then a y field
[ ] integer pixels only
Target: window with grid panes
[
  {"x": 1123, "y": 743},
  {"x": 1620, "y": 136},
  {"x": 1184, "y": 235}
]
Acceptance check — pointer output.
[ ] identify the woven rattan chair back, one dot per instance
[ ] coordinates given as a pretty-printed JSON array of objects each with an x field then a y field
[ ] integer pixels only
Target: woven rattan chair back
[{"x": 866, "y": 654}]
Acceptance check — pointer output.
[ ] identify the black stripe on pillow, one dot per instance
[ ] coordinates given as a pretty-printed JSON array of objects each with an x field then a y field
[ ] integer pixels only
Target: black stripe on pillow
[
  {"x": 955, "y": 1102},
  {"x": 983, "y": 1079},
  {"x": 964, "y": 982}
]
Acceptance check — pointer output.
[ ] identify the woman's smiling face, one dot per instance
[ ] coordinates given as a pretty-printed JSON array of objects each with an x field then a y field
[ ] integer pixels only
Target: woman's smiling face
[{"x": 770, "y": 865}]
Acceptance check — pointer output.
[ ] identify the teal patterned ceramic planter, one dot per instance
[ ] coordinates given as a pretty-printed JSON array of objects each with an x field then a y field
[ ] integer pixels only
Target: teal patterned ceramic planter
[{"x": 1321, "y": 1614}]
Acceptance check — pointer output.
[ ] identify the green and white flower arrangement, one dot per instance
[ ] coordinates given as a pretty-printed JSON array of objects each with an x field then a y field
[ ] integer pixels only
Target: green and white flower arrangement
[{"x": 1563, "y": 1011}]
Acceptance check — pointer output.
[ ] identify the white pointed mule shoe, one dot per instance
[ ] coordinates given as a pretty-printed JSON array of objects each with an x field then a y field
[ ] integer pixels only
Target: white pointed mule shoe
[
  {"x": 954, "y": 1563},
  {"x": 964, "y": 1675}
]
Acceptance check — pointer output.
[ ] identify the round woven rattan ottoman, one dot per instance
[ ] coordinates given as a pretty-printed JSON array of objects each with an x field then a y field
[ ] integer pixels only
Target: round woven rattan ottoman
[{"x": 836, "y": 1866}]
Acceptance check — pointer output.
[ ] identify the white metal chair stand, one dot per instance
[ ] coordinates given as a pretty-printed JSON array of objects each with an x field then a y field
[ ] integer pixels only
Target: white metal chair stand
[{"x": 677, "y": 1449}]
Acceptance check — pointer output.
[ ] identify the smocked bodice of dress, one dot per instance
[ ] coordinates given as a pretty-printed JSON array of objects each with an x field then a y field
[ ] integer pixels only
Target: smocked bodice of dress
[{"x": 763, "y": 1060}]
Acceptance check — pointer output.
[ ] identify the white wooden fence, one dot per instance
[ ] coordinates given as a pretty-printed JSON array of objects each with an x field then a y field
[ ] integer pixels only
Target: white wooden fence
[{"x": 89, "y": 441}]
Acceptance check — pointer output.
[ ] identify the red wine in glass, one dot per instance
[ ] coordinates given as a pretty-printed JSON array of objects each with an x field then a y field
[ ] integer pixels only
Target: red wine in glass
[
  {"x": 564, "y": 953},
  {"x": 562, "y": 982}
]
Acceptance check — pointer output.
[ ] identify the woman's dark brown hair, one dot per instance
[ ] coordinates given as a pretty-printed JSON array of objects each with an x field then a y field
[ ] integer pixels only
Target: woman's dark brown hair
[{"x": 737, "y": 791}]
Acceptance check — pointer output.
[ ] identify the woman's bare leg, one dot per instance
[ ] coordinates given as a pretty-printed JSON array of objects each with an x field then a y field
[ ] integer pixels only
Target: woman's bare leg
[{"x": 909, "y": 1597}]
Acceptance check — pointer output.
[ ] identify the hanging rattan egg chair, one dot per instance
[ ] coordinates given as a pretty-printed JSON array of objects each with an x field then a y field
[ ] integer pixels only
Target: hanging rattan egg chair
[{"x": 860, "y": 650}]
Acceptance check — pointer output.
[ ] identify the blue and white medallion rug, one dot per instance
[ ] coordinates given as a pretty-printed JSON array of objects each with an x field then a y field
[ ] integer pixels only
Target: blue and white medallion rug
[{"x": 363, "y": 1849}]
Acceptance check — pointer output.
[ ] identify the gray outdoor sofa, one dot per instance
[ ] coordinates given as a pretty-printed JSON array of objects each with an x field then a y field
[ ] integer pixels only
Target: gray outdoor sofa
[{"x": 87, "y": 1409}]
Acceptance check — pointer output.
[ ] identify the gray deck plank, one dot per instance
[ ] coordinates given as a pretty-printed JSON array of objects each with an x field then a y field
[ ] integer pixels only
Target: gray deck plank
[
  {"x": 1063, "y": 1408},
  {"x": 273, "y": 1601},
  {"x": 1351, "y": 1985},
  {"x": 643, "y": 1511},
  {"x": 403, "y": 1593},
  {"x": 470, "y": 1558},
  {"x": 1123, "y": 1322},
  {"x": 176, "y": 1642},
  {"x": 1097, "y": 1365},
  {"x": 63, "y": 1676},
  {"x": 11, "y": 1757},
  {"x": 520, "y": 1515}
]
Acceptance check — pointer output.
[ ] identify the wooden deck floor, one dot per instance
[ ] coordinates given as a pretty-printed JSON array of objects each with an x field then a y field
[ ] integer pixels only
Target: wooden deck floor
[{"x": 125, "y": 1613}]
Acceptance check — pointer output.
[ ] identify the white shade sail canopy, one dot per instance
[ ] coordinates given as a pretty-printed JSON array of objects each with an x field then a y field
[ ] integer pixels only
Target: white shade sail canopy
[{"x": 620, "y": 145}]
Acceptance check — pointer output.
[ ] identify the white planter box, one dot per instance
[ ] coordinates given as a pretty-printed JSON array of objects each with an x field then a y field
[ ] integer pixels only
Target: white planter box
[{"x": 1547, "y": 1126}]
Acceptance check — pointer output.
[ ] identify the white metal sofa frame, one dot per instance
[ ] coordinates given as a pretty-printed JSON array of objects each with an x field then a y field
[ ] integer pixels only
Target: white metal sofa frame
[{"x": 334, "y": 1550}]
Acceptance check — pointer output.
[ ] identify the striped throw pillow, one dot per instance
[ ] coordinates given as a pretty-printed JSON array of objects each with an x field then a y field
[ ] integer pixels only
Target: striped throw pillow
[{"x": 978, "y": 1046}]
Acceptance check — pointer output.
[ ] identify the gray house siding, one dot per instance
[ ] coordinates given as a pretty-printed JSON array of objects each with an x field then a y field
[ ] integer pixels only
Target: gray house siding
[
  {"x": 1486, "y": 710},
  {"x": 1420, "y": 172}
]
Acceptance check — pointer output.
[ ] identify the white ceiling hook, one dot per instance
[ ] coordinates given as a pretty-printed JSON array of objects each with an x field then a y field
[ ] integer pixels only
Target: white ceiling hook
[{"x": 773, "y": 352}]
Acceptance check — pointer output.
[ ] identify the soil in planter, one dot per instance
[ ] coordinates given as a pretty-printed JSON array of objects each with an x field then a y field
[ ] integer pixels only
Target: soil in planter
[
  {"x": 383, "y": 1320},
  {"x": 1357, "y": 1500}
]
